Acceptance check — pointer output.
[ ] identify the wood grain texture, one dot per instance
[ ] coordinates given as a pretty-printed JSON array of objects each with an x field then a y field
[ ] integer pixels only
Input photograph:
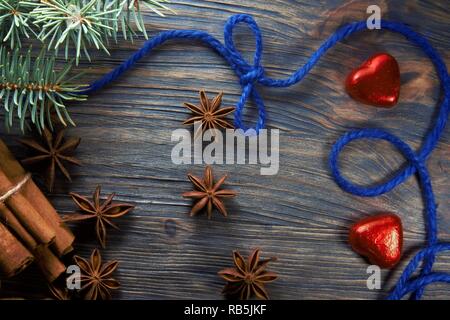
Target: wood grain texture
[{"x": 300, "y": 215}]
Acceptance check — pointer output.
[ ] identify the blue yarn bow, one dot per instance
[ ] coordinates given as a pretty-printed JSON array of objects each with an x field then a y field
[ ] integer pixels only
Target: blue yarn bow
[
  {"x": 249, "y": 74},
  {"x": 252, "y": 74}
]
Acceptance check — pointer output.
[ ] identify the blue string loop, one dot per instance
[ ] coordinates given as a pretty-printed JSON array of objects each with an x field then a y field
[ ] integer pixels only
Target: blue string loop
[
  {"x": 252, "y": 75},
  {"x": 416, "y": 165},
  {"x": 379, "y": 134},
  {"x": 249, "y": 75},
  {"x": 405, "y": 286},
  {"x": 229, "y": 42}
]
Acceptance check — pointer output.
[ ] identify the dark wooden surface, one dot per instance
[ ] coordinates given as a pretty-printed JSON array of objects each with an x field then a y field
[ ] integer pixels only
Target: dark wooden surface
[{"x": 300, "y": 215}]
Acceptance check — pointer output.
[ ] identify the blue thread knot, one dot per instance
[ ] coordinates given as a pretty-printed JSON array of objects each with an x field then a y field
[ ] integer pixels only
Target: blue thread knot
[{"x": 252, "y": 76}]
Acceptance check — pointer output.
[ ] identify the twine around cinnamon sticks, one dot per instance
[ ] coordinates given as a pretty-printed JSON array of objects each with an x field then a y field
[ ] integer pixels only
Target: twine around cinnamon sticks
[{"x": 30, "y": 228}]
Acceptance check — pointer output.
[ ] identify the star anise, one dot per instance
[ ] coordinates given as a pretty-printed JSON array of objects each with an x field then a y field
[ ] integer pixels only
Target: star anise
[
  {"x": 208, "y": 193},
  {"x": 103, "y": 213},
  {"x": 209, "y": 113},
  {"x": 54, "y": 150},
  {"x": 59, "y": 293},
  {"x": 248, "y": 277},
  {"x": 96, "y": 278}
]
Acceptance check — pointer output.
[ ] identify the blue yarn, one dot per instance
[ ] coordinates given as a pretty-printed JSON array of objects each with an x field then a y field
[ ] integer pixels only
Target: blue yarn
[{"x": 252, "y": 74}]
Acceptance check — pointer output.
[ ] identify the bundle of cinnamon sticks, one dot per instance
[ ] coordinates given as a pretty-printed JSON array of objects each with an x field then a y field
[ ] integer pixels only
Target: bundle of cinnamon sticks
[{"x": 30, "y": 228}]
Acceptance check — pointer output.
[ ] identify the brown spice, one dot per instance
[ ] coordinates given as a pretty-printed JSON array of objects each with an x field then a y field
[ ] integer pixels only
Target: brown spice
[
  {"x": 31, "y": 218},
  {"x": 248, "y": 278},
  {"x": 54, "y": 150},
  {"x": 96, "y": 278},
  {"x": 49, "y": 264},
  {"x": 15, "y": 172},
  {"x": 103, "y": 213},
  {"x": 208, "y": 193},
  {"x": 24, "y": 211},
  {"x": 209, "y": 113},
  {"x": 14, "y": 257},
  {"x": 59, "y": 292}
]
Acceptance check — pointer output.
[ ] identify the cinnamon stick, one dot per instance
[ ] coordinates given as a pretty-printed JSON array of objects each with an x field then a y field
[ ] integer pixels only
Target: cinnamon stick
[
  {"x": 47, "y": 262},
  {"x": 9, "y": 220},
  {"x": 14, "y": 257},
  {"x": 15, "y": 172},
  {"x": 25, "y": 213}
]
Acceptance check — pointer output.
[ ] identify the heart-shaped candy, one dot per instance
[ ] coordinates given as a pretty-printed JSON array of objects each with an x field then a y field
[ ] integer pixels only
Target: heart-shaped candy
[
  {"x": 376, "y": 82},
  {"x": 379, "y": 238}
]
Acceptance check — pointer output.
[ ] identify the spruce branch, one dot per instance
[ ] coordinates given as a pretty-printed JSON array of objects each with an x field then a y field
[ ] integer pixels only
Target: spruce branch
[
  {"x": 82, "y": 23},
  {"x": 31, "y": 87},
  {"x": 14, "y": 22},
  {"x": 89, "y": 23},
  {"x": 133, "y": 12},
  {"x": 34, "y": 88}
]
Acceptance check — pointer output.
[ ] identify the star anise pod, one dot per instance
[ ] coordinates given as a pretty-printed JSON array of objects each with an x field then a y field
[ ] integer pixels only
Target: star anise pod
[
  {"x": 96, "y": 278},
  {"x": 103, "y": 212},
  {"x": 59, "y": 293},
  {"x": 248, "y": 277},
  {"x": 209, "y": 113},
  {"x": 54, "y": 150},
  {"x": 208, "y": 193}
]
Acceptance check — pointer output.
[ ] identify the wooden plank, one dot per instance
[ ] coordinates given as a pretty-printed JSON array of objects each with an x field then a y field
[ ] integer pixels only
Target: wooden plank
[{"x": 300, "y": 215}]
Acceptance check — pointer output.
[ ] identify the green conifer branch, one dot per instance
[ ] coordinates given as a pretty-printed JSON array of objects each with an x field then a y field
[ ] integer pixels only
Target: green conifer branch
[
  {"x": 88, "y": 23},
  {"x": 31, "y": 87},
  {"x": 14, "y": 22},
  {"x": 34, "y": 88},
  {"x": 132, "y": 12},
  {"x": 82, "y": 23}
]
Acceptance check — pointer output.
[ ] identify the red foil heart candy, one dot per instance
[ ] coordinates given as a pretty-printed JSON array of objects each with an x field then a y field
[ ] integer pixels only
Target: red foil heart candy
[
  {"x": 376, "y": 82},
  {"x": 379, "y": 238}
]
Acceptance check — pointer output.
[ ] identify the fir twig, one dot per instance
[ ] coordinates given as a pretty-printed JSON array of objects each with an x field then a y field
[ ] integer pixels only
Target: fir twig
[
  {"x": 35, "y": 88},
  {"x": 87, "y": 23},
  {"x": 14, "y": 22},
  {"x": 82, "y": 23},
  {"x": 133, "y": 12}
]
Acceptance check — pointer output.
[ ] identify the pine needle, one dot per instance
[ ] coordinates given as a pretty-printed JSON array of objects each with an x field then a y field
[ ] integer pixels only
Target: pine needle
[
  {"x": 14, "y": 22},
  {"x": 34, "y": 88}
]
